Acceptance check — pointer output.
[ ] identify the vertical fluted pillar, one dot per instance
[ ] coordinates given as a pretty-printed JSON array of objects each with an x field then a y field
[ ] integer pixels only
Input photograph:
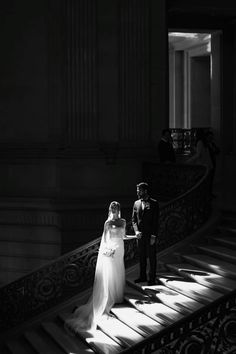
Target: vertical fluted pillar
[
  {"x": 134, "y": 70},
  {"x": 81, "y": 83}
]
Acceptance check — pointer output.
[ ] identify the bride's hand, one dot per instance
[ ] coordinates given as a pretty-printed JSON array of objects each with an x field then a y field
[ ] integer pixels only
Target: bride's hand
[{"x": 138, "y": 235}]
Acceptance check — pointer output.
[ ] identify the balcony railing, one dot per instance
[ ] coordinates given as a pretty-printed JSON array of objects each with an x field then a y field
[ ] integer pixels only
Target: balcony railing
[{"x": 184, "y": 139}]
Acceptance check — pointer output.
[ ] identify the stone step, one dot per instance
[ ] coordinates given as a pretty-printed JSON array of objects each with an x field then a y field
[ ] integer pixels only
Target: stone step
[
  {"x": 172, "y": 299},
  {"x": 141, "y": 323},
  {"x": 191, "y": 289},
  {"x": 41, "y": 343},
  {"x": 119, "y": 331},
  {"x": 128, "y": 327},
  {"x": 101, "y": 343},
  {"x": 209, "y": 279},
  {"x": 226, "y": 241},
  {"x": 157, "y": 311},
  {"x": 224, "y": 253},
  {"x": 210, "y": 263},
  {"x": 67, "y": 343},
  {"x": 17, "y": 346},
  {"x": 227, "y": 230},
  {"x": 97, "y": 340}
]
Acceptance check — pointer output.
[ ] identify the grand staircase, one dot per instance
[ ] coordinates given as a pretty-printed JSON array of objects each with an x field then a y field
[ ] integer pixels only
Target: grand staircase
[{"x": 192, "y": 309}]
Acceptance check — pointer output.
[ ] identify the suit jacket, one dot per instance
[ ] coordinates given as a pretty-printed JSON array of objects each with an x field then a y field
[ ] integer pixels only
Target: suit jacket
[{"x": 146, "y": 220}]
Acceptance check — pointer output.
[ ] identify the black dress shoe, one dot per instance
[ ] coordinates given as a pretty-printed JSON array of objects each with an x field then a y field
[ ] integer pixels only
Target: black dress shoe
[
  {"x": 140, "y": 280},
  {"x": 151, "y": 282}
]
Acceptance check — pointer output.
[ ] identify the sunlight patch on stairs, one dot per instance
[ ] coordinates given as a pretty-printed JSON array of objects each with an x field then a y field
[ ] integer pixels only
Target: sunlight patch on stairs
[
  {"x": 136, "y": 320},
  {"x": 192, "y": 289},
  {"x": 157, "y": 311},
  {"x": 173, "y": 299},
  {"x": 100, "y": 341},
  {"x": 206, "y": 278},
  {"x": 210, "y": 263},
  {"x": 118, "y": 331}
]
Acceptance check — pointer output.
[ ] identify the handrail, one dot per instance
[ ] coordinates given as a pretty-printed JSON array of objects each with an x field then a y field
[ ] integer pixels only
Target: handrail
[{"x": 73, "y": 272}]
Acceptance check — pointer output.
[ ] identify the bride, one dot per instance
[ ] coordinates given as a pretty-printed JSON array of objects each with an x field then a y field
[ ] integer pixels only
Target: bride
[{"x": 109, "y": 281}]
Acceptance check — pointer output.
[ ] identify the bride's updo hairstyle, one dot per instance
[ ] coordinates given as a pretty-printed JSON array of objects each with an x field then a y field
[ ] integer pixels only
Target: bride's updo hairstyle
[{"x": 116, "y": 205}]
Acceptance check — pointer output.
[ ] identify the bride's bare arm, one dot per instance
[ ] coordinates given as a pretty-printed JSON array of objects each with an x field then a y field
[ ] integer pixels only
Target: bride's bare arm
[
  {"x": 124, "y": 228},
  {"x": 106, "y": 233}
]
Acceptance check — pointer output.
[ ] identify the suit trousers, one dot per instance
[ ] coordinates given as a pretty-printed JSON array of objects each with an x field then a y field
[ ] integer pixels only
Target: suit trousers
[{"x": 147, "y": 251}]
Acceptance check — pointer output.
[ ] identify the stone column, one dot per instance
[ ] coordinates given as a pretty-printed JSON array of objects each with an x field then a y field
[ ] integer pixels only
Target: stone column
[
  {"x": 159, "y": 94},
  {"x": 81, "y": 78}
]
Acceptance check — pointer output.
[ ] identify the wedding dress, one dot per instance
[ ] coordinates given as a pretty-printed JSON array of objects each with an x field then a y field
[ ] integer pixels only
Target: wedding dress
[{"x": 109, "y": 281}]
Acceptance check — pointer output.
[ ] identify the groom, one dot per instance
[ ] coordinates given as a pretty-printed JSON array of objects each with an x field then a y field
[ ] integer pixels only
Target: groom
[{"x": 145, "y": 223}]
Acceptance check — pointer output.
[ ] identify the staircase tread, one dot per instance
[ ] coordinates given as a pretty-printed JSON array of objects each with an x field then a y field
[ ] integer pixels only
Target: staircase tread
[
  {"x": 207, "y": 277},
  {"x": 40, "y": 343},
  {"x": 157, "y": 311},
  {"x": 119, "y": 331},
  {"x": 173, "y": 299},
  {"x": 16, "y": 347},
  {"x": 96, "y": 339},
  {"x": 137, "y": 320},
  {"x": 215, "y": 264},
  {"x": 191, "y": 289},
  {"x": 227, "y": 228},
  {"x": 219, "y": 249},
  {"x": 101, "y": 342},
  {"x": 64, "y": 340},
  {"x": 226, "y": 239}
]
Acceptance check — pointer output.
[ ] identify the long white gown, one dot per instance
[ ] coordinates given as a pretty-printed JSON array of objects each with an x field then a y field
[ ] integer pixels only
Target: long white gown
[{"x": 109, "y": 281}]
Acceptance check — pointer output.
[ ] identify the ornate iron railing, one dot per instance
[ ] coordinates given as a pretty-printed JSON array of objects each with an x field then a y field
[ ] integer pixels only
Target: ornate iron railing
[{"x": 72, "y": 273}]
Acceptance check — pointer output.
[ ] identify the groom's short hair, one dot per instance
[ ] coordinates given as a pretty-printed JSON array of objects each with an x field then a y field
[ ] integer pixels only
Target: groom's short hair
[{"x": 143, "y": 185}]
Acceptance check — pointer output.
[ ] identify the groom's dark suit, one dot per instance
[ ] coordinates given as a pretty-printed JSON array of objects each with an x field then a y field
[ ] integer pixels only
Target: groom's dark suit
[{"x": 145, "y": 219}]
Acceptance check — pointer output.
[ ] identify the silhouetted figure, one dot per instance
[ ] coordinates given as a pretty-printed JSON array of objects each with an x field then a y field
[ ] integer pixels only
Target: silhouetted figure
[
  {"x": 202, "y": 153},
  {"x": 165, "y": 148}
]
